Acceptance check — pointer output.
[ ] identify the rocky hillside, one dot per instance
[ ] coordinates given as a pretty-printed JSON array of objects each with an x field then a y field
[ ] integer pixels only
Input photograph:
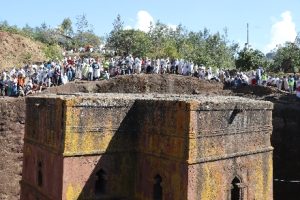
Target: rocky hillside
[{"x": 16, "y": 50}]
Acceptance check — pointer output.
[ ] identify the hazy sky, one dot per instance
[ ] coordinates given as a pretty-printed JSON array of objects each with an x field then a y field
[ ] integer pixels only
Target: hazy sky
[{"x": 271, "y": 21}]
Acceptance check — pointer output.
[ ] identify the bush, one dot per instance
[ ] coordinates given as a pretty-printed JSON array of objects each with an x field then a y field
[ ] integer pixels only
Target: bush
[
  {"x": 296, "y": 69},
  {"x": 27, "y": 57},
  {"x": 53, "y": 52}
]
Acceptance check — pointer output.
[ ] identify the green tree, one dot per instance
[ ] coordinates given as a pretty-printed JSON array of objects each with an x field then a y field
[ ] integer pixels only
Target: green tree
[
  {"x": 212, "y": 50},
  {"x": 46, "y": 34},
  {"x": 118, "y": 24},
  {"x": 115, "y": 38},
  {"x": 4, "y": 25},
  {"x": 28, "y": 31},
  {"x": 131, "y": 42},
  {"x": 250, "y": 59},
  {"x": 297, "y": 40},
  {"x": 66, "y": 27},
  {"x": 162, "y": 41},
  {"x": 82, "y": 23},
  {"x": 53, "y": 52},
  {"x": 87, "y": 38},
  {"x": 158, "y": 35},
  {"x": 287, "y": 58},
  {"x": 218, "y": 52},
  {"x": 179, "y": 36}
]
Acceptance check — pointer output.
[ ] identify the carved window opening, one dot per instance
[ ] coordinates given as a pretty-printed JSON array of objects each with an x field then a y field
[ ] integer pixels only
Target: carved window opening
[
  {"x": 157, "y": 188},
  {"x": 236, "y": 190},
  {"x": 101, "y": 181},
  {"x": 40, "y": 174}
]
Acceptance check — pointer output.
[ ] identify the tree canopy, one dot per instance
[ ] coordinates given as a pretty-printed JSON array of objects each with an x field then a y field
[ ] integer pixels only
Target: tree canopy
[
  {"x": 249, "y": 59},
  {"x": 287, "y": 58},
  {"x": 163, "y": 41}
]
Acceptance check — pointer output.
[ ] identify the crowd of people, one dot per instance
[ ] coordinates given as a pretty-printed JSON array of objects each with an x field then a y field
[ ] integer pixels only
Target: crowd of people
[
  {"x": 34, "y": 78},
  {"x": 289, "y": 83}
]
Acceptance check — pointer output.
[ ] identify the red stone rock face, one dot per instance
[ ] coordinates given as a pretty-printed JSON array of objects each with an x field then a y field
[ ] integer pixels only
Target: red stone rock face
[
  {"x": 147, "y": 147},
  {"x": 12, "y": 120}
]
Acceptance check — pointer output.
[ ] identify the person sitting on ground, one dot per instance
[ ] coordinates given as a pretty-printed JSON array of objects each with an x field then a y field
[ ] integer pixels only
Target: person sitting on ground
[
  {"x": 106, "y": 75},
  {"x": 28, "y": 88},
  {"x": 64, "y": 79},
  {"x": 14, "y": 89}
]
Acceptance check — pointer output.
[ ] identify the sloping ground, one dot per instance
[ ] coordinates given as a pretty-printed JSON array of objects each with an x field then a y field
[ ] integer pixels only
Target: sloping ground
[{"x": 16, "y": 50}]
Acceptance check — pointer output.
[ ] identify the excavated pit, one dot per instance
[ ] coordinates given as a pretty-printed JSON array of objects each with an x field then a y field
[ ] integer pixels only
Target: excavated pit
[{"x": 285, "y": 137}]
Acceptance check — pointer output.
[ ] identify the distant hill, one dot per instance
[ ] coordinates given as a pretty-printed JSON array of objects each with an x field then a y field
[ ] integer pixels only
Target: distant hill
[{"x": 17, "y": 50}]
